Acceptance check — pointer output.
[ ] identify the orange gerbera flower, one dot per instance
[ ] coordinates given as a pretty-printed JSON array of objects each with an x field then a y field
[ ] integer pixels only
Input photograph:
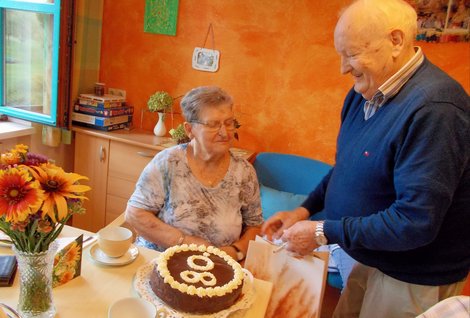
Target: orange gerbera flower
[
  {"x": 20, "y": 196},
  {"x": 58, "y": 185}
]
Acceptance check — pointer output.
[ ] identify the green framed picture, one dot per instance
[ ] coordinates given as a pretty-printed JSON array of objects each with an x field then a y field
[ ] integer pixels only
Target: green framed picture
[{"x": 161, "y": 16}]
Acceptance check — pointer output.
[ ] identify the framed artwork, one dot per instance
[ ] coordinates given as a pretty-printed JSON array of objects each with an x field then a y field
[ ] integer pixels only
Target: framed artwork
[
  {"x": 442, "y": 20},
  {"x": 161, "y": 16},
  {"x": 205, "y": 59}
]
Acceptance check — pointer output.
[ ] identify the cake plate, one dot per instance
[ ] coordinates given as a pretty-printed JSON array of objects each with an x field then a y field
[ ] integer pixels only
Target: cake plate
[{"x": 142, "y": 286}]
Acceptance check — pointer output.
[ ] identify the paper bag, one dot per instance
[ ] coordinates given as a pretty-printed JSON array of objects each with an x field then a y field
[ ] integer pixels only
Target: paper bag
[{"x": 298, "y": 282}]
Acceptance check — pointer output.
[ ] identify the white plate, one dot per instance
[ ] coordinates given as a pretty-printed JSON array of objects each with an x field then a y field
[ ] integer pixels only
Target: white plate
[
  {"x": 142, "y": 286},
  {"x": 100, "y": 257},
  {"x": 6, "y": 244},
  {"x": 3, "y": 236}
]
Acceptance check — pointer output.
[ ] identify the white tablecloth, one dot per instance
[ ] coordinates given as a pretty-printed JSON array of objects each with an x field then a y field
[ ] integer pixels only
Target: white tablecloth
[{"x": 91, "y": 294}]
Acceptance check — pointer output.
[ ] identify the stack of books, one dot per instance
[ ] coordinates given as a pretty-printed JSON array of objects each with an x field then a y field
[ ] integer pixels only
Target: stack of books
[{"x": 107, "y": 112}]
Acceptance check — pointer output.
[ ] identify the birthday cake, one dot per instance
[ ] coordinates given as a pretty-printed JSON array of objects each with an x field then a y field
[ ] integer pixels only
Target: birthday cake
[{"x": 197, "y": 279}]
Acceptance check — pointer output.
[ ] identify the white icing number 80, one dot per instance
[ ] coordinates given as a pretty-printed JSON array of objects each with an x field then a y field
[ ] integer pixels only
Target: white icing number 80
[
  {"x": 207, "y": 278},
  {"x": 204, "y": 257},
  {"x": 192, "y": 277}
]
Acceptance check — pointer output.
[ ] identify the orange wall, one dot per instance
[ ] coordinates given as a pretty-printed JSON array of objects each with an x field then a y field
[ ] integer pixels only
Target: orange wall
[{"x": 277, "y": 61}]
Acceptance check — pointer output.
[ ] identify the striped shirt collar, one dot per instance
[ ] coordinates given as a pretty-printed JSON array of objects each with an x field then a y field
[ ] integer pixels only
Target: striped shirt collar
[{"x": 393, "y": 85}]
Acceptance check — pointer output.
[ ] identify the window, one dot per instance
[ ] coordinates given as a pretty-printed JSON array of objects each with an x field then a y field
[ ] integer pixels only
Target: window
[{"x": 34, "y": 54}]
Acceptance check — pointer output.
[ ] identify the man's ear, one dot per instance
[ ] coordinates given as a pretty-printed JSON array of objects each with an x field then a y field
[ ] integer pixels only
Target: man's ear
[
  {"x": 398, "y": 41},
  {"x": 188, "y": 129}
]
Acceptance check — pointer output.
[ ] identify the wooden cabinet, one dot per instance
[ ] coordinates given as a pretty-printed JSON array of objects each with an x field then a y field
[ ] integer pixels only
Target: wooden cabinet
[
  {"x": 125, "y": 165},
  {"x": 113, "y": 162},
  {"x": 91, "y": 159}
]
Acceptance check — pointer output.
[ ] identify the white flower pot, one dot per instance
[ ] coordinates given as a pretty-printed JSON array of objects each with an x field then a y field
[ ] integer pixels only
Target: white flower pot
[{"x": 160, "y": 130}]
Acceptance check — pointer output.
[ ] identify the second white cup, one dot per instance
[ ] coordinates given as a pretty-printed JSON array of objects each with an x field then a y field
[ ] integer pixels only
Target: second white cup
[{"x": 114, "y": 241}]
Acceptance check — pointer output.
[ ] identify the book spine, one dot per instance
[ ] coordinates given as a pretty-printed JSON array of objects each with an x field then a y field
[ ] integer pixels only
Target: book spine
[
  {"x": 88, "y": 119},
  {"x": 107, "y": 121},
  {"x": 104, "y": 98},
  {"x": 103, "y": 128},
  {"x": 100, "y": 121},
  {"x": 104, "y": 112},
  {"x": 98, "y": 104}
]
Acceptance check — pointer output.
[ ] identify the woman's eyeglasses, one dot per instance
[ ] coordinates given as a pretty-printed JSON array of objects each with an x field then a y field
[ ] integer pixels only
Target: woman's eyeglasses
[{"x": 212, "y": 125}]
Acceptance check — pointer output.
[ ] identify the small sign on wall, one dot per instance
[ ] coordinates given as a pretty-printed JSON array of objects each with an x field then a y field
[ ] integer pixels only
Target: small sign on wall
[
  {"x": 205, "y": 59},
  {"x": 161, "y": 16}
]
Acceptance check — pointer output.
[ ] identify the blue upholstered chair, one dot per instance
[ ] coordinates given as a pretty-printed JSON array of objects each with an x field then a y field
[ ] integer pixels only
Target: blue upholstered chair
[
  {"x": 285, "y": 181},
  {"x": 285, "y": 177}
]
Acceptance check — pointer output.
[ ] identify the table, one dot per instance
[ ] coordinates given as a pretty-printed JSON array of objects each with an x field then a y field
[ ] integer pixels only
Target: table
[{"x": 99, "y": 286}]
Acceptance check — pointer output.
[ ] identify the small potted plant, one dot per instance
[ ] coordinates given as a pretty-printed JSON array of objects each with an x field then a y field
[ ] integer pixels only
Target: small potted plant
[
  {"x": 178, "y": 134},
  {"x": 160, "y": 102}
]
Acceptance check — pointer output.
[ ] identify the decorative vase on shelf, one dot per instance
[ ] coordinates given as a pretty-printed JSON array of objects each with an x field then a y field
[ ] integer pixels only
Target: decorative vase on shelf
[
  {"x": 160, "y": 129},
  {"x": 35, "y": 300}
]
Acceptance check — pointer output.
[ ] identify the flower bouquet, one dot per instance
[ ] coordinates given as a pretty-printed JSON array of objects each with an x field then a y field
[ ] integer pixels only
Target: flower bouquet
[{"x": 37, "y": 198}]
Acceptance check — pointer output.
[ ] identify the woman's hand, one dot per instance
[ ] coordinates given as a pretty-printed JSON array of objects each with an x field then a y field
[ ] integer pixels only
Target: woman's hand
[
  {"x": 190, "y": 239},
  {"x": 275, "y": 226},
  {"x": 151, "y": 228},
  {"x": 230, "y": 251}
]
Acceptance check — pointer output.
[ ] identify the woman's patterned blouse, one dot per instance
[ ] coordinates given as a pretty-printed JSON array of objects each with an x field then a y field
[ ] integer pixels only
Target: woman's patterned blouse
[{"x": 168, "y": 188}]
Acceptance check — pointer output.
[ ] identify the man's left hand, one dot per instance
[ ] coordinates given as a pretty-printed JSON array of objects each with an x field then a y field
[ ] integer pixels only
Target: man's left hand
[{"x": 300, "y": 237}]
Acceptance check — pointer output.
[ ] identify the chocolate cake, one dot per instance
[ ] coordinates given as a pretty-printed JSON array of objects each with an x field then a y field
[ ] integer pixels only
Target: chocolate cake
[{"x": 196, "y": 279}]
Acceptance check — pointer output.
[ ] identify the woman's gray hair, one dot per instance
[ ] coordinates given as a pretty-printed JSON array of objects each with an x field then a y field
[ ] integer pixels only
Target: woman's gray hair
[{"x": 200, "y": 97}]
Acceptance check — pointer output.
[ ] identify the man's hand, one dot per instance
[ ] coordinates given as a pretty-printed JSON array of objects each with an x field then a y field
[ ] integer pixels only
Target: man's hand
[
  {"x": 275, "y": 226},
  {"x": 300, "y": 237}
]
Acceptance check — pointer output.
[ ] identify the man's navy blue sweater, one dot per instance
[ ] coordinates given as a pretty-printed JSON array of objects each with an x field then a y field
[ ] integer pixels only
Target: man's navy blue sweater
[{"x": 398, "y": 197}]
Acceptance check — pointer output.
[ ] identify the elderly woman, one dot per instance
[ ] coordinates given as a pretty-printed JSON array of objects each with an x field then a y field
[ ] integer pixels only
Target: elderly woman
[{"x": 199, "y": 192}]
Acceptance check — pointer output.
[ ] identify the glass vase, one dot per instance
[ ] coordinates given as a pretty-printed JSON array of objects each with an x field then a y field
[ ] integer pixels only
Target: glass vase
[{"x": 35, "y": 300}]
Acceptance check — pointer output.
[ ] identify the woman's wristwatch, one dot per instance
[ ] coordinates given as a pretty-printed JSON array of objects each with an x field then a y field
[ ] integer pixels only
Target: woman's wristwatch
[{"x": 240, "y": 254}]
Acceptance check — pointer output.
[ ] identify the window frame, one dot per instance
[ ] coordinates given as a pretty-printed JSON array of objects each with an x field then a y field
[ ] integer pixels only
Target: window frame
[{"x": 55, "y": 116}]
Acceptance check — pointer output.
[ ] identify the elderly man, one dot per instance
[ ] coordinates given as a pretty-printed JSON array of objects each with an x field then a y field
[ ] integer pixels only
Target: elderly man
[{"x": 398, "y": 197}]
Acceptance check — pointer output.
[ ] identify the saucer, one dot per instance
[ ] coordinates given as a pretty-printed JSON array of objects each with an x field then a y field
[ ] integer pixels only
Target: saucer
[
  {"x": 132, "y": 307},
  {"x": 100, "y": 257}
]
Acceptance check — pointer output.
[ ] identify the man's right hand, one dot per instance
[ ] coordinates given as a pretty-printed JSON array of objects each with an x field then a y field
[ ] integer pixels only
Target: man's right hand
[{"x": 274, "y": 227}]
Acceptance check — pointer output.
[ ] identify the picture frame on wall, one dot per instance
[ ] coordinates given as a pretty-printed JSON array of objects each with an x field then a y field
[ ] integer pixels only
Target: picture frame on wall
[
  {"x": 205, "y": 59},
  {"x": 161, "y": 16}
]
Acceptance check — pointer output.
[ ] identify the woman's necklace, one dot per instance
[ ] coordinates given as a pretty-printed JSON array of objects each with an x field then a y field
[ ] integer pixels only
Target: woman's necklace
[{"x": 209, "y": 174}]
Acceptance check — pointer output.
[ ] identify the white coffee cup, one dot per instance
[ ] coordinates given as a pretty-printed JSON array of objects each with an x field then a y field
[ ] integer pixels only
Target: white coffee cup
[
  {"x": 132, "y": 308},
  {"x": 114, "y": 241}
]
